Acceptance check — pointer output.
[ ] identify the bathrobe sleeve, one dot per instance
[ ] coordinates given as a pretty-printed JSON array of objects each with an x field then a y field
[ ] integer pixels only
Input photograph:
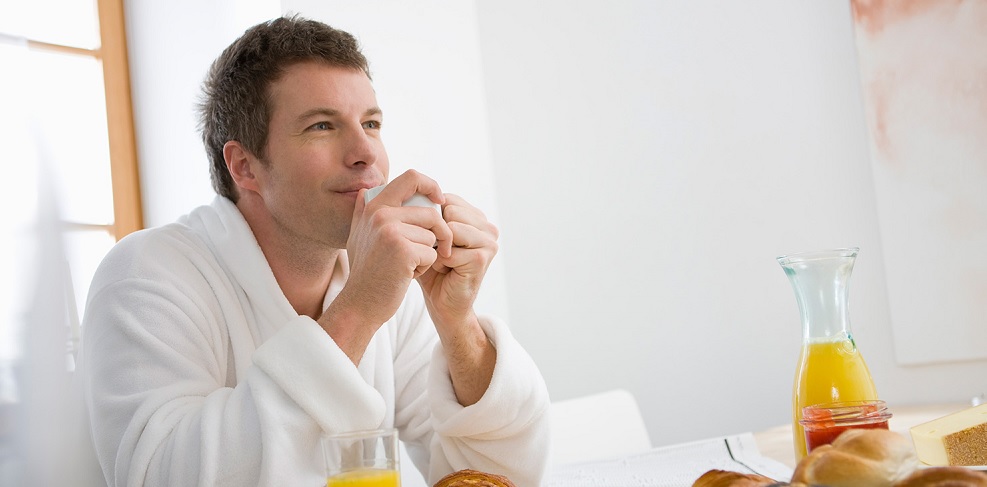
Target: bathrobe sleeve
[
  {"x": 157, "y": 374},
  {"x": 506, "y": 432}
]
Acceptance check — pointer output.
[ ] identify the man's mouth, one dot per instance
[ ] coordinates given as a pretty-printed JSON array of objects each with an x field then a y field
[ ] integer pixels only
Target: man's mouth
[{"x": 354, "y": 190}]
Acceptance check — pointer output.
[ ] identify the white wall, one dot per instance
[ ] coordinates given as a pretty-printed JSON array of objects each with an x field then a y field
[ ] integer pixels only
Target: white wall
[
  {"x": 645, "y": 161},
  {"x": 171, "y": 46},
  {"x": 658, "y": 156}
]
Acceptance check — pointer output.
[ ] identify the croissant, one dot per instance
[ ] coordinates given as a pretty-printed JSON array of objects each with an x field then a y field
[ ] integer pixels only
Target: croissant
[
  {"x": 474, "y": 478},
  {"x": 858, "y": 457},
  {"x": 944, "y": 477},
  {"x": 723, "y": 478}
]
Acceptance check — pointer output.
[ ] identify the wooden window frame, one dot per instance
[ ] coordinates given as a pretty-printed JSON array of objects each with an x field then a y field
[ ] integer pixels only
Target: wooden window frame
[
  {"x": 128, "y": 214},
  {"x": 127, "y": 209}
]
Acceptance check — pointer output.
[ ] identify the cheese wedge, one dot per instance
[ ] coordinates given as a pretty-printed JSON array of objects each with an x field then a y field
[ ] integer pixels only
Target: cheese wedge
[{"x": 956, "y": 439}]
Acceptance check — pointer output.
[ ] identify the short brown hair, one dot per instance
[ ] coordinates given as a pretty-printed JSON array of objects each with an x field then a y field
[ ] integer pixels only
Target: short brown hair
[{"x": 235, "y": 104}]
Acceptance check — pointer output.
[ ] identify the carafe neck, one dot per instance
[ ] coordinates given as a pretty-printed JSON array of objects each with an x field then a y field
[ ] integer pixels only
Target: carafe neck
[{"x": 821, "y": 284}]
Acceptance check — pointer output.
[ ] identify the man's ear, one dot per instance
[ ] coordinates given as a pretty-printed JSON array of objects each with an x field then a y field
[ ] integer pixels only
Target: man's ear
[{"x": 238, "y": 162}]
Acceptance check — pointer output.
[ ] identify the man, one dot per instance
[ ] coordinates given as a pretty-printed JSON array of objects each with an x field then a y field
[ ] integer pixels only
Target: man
[{"x": 218, "y": 349}]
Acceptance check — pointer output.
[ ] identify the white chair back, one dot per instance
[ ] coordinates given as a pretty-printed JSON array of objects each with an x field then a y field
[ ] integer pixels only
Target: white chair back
[{"x": 597, "y": 427}]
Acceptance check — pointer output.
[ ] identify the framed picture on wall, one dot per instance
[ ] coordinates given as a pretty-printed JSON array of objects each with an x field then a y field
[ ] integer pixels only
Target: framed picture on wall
[{"x": 923, "y": 68}]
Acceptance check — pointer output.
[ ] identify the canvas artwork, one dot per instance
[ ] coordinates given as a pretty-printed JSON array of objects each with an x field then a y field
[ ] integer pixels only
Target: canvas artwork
[{"x": 923, "y": 70}]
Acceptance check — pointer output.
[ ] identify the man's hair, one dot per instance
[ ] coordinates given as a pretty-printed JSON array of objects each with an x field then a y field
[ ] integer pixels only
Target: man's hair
[{"x": 235, "y": 103}]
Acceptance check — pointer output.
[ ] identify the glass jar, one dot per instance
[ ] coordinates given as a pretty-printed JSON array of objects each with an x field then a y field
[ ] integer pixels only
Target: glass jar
[{"x": 823, "y": 423}]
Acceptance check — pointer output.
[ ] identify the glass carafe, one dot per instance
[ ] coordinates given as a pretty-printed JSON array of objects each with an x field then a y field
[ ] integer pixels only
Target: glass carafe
[{"x": 831, "y": 368}]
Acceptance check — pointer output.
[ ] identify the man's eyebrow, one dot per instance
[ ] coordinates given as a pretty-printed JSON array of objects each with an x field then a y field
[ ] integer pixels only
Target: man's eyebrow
[
  {"x": 331, "y": 112},
  {"x": 325, "y": 112}
]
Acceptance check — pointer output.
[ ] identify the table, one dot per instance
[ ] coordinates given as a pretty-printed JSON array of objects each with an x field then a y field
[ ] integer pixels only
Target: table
[{"x": 776, "y": 443}]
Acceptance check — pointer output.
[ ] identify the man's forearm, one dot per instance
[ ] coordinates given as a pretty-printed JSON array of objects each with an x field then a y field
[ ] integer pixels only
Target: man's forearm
[{"x": 471, "y": 358}]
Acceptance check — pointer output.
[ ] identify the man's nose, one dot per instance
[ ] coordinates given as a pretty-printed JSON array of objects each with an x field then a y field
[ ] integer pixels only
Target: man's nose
[{"x": 361, "y": 149}]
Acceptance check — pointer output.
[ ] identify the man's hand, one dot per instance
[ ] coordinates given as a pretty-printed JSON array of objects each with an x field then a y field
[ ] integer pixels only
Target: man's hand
[
  {"x": 388, "y": 246},
  {"x": 451, "y": 286},
  {"x": 452, "y": 283},
  {"x": 448, "y": 253}
]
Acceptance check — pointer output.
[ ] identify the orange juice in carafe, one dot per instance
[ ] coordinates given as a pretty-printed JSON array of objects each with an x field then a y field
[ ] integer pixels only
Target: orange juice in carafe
[
  {"x": 831, "y": 368},
  {"x": 829, "y": 371}
]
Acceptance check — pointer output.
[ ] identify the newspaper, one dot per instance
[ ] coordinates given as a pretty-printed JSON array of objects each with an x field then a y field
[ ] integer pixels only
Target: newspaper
[{"x": 672, "y": 466}]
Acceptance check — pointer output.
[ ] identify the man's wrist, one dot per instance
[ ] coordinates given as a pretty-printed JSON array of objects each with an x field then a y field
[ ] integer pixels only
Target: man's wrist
[
  {"x": 457, "y": 329},
  {"x": 348, "y": 328}
]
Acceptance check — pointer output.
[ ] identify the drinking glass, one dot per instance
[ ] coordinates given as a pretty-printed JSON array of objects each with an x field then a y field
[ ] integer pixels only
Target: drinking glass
[{"x": 362, "y": 459}]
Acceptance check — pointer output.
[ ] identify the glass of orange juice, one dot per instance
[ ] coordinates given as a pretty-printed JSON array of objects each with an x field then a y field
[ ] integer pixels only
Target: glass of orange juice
[{"x": 362, "y": 459}]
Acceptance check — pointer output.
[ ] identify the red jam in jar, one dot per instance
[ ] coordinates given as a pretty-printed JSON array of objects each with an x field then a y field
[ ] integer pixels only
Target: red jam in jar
[{"x": 824, "y": 422}]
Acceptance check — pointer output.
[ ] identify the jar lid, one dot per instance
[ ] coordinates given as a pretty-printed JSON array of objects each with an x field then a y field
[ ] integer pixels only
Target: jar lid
[{"x": 845, "y": 413}]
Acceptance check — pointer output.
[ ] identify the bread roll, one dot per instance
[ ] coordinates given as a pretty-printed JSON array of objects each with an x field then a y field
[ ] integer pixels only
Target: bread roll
[
  {"x": 722, "y": 478},
  {"x": 859, "y": 458},
  {"x": 944, "y": 477},
  {"x": 474, "y": 478}
]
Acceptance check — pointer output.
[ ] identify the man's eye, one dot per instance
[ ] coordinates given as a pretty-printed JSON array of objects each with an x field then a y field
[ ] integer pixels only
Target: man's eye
[
  {"x": 321, "y": 126},
  {"x": 372, "y": 124}
]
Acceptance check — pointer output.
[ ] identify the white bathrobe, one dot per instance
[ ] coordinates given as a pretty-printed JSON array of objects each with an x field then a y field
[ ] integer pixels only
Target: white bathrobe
[{"x": 197, "y": 371}]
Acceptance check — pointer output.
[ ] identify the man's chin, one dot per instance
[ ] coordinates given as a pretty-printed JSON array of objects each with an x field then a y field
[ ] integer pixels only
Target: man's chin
[{"x": 340, "y": 240}]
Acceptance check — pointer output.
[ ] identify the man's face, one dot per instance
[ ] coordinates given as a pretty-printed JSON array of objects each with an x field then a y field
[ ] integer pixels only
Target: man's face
[{"x": 323, "y": 146}]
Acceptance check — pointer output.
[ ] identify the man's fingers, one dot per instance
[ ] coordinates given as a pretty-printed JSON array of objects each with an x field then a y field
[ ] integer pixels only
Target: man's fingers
[
  {"x": 469, "y": 237},
  {"x": 458, "y": 210},
  {"x": 405, "y": 186}
]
